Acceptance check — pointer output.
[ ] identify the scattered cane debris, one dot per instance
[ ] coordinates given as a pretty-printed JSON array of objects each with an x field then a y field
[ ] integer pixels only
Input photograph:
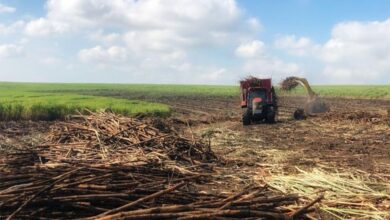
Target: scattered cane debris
[{"x": 105, "y": 166}]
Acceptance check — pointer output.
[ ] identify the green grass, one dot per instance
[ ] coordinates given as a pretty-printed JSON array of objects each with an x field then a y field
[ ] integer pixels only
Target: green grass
[
  {"x": 157, "y": 91},
  {"x": 150, "y": 90},
  {"x": 48, "y": 101},
  {"x": 22, "y": 101}
]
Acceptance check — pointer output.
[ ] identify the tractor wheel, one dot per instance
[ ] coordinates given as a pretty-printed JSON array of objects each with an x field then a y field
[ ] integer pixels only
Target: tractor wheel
[
  {"x": 246, "y": 118},
  {"x": 270, "y": 118},
  {"x": 299, "y": 114}
]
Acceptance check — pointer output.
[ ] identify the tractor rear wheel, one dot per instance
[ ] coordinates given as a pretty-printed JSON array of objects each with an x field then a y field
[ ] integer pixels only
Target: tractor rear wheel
[
  {"x": 270, "y": 117},
  {"x": 246, "y": 118}
]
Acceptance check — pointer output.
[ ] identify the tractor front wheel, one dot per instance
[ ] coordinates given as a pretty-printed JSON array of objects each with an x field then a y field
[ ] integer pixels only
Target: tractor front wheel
[
  {"x": 246, "y": 118},
  {"x": 300, "y": 114}
]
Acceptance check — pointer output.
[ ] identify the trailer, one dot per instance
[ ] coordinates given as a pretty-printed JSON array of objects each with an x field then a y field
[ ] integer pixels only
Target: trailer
[{"x": 259, "y": 100}]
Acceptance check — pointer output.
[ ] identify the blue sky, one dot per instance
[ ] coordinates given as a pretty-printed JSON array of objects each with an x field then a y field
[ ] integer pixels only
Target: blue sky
[
  {"x": 194, "y": 42},
  {"x": 314, "y": 18}
]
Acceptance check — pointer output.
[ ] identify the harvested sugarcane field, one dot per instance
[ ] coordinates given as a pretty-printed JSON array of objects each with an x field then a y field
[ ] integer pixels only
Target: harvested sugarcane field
[
  {"x": 206, "y": 109},
  {"x": 195, "y": 161}
]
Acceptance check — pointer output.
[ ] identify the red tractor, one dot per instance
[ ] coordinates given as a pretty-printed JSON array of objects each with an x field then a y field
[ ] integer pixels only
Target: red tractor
[{"x": 259, "y": 98}]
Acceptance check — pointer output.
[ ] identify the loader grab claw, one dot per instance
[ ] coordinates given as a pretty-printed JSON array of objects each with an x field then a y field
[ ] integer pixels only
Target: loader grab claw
[{"x": 314, "y": 103}]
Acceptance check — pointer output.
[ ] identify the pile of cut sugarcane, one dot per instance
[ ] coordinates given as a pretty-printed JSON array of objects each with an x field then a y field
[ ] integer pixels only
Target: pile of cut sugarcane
[
  {"x": 110, "y": 137},
  {"x": 288, "y": 83},
  {"x": 104, "y": 166},
  {"x": 145, "y": 191}
]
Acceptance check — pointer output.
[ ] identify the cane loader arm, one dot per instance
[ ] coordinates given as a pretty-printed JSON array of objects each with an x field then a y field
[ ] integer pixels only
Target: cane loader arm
[{"x": 305, "y": 84}]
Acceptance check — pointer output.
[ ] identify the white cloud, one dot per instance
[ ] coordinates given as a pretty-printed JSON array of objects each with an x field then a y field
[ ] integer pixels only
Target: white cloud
[
  {"x": 107, "y": 39},
  {"x": 259, "y": 62},
  {"x": 254, "y": 24},
  {"x": 24, "y": 41},
  {"x": 153, "y": 39},
  {"x": 213, "y": 76},
  {"x": 148, "y": 36},
  {"x": 139, "y": 15},
  {"x": 51, "y": 61},
  {"x": 156, "y": 40},
  {"x": 148, "y": 24},
  {"x": 103, "y": 55},
  {"x": 358, "y": 52},
  {"x": 6, "y": 9},
  {"x": 271, "y": 67},
  {"x": 44, "y": 27},
  {"x": 301, "y": 46},
  {"x": 10, "y": 50},
  {"x": 182, "y": 40},
  {"x": 250, "y": 49},
  {"x": 12, "y": 28}
]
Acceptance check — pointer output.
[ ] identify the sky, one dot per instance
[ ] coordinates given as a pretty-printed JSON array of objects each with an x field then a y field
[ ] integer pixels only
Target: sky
[{"x": 194, "y": 42}]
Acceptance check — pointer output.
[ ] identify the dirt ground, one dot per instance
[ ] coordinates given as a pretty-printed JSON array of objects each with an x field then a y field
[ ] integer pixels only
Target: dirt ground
[{"x": 355, "y": 134}]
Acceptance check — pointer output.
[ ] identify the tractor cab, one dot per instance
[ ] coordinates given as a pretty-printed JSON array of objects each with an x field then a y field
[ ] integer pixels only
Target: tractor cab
[
  {"x": 257, "y": 96},
  {"x": 259, "y": 100}
]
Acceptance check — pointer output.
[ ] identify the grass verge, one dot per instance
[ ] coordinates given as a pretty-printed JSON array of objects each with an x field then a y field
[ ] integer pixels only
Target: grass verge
[{"x": 17, "y": 105}]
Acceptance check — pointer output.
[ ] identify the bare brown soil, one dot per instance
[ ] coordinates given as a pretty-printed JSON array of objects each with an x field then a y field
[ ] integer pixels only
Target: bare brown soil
[{"x": 354, "y": 134}]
